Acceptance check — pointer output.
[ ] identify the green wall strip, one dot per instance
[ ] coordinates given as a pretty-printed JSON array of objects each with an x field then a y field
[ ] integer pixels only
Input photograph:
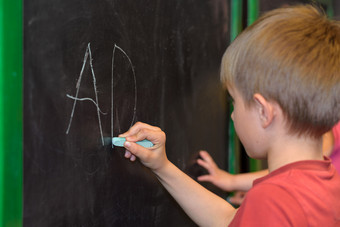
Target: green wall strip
[
  {"x": 330, "y": 8},
  {"x": 11, "y": 139},
  {"x": 253, "y": 11},
  {"x": 233, "y": 143},
  {"x": 236, "y": 18}
]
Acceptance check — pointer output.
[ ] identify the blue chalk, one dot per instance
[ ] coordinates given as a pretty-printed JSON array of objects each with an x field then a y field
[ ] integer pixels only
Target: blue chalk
[{"x": 119, "y": 141}]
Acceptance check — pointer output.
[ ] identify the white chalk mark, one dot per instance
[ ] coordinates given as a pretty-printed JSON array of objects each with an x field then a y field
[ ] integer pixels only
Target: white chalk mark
[
  {"x": 86, "y": 99},
  {"x": 117, "y": 117},
  {"x": 112, "y": 63},
  {"x": 135, "y": 86},
  {"x": 77, "y": 87},
  {"x": 87, "y": 54},
  {"x": 96, "y": 93}
]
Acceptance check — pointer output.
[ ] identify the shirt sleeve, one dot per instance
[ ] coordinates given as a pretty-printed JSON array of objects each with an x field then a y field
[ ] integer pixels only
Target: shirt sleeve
[{"x": 269, "y": 205}]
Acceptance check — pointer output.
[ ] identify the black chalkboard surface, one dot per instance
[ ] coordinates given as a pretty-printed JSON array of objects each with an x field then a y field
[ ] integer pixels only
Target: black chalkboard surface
[{"x": 94, "y": 68}]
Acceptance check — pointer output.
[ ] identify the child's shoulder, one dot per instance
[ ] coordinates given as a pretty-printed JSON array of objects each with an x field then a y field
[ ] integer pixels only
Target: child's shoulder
[
  {"x": 298, "y": 174},
  {"x": 298, "y": 189}
]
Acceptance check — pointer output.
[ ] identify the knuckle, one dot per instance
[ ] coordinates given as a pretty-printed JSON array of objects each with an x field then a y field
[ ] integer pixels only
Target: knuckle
[
  {"x": 143, "y": 131},
  {"x": 138, "y": 124},
  {"x": 163, "y": 136}
]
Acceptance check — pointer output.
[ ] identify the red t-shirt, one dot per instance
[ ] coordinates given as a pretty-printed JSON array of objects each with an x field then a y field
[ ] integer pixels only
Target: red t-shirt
[{"x": 304, "y": 193}]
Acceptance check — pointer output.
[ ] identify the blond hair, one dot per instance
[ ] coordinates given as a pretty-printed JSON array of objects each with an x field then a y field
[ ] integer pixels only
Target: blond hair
[{"x": 291, "y": 56}]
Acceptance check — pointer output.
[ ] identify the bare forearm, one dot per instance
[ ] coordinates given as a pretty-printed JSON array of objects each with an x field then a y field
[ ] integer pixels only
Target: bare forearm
[
  {"x": 244, "y": 181},
  {"x": 202, "y": 206}
]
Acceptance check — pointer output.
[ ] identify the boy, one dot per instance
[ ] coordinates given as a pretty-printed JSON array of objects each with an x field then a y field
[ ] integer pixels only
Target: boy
[{"x": 283, "y": 75}]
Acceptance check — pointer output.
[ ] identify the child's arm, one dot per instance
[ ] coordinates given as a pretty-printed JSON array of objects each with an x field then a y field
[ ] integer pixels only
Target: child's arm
[
  {"x": 202, "y": 206},
  {"x": 225, "y": 180}
]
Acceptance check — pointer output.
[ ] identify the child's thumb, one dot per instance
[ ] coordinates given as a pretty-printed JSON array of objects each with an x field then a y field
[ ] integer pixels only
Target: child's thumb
[{"x": 136, "y": 149}]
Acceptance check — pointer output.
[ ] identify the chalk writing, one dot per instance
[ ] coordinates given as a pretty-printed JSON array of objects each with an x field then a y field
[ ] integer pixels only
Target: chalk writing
[
  {"x": 135, "y": 86},
  {"x": 88, "y": 54},
  {"x": 86, "y": 99}
]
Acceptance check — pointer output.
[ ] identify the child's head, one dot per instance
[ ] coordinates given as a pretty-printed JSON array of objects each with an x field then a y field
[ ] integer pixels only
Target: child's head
[{"x": 290, "y": 56}]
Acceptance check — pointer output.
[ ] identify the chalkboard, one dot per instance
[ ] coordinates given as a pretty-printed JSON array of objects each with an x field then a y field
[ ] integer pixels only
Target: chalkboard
[{"x": 94, "y": 68}]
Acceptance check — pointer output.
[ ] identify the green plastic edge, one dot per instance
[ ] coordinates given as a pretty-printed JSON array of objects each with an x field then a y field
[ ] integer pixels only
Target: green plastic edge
[
  {"x": 233, "y": 143},
  {"x": 11, "y": 121},
  {"x": 330, "y": 8}
]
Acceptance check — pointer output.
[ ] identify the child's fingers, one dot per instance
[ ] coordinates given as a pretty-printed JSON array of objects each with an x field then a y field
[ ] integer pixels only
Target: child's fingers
[
  {"x": 209, "y": 160},
  {"x": 141, "y": 134},
  {"x": 127, "y": 154},
  {"x": 156, "y": 137},
  {"x": 137, "y": 150},
  {"x": 238, "y": 198},
  {"x": 205, "y": 178},
  {"x": 153, "y": 134},
  {"x": 133, "y": 158},
  {"x": 204, "y": 164},
  {"x": 151, "y": 157},
  {"x": 206, "y": 156},
  {"x": 136, "y": 128}
]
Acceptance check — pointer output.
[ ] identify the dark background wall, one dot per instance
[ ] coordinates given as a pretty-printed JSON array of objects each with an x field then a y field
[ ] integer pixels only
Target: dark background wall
[
  {"x": 155, "y": 61},
  {"x": 337, "y": 9}
]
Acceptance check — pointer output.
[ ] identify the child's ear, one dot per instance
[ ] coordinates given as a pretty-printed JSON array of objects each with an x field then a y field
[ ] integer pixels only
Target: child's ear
[{"x": 265, "y": 110}]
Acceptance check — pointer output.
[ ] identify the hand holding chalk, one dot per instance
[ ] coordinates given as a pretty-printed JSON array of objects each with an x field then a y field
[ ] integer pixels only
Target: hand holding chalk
[
  {"x": 153, "y": 157},
  {"x": 119, "y": 141}
]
